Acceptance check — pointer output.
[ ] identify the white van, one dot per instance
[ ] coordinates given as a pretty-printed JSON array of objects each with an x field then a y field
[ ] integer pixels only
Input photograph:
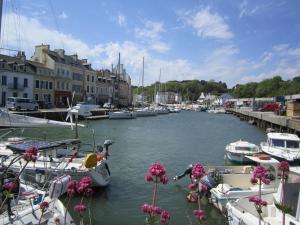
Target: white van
[{"x": 15, "y": 103}]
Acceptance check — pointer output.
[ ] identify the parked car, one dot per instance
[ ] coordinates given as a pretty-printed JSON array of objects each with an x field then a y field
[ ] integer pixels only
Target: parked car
[{"x": 18, "y": 104}]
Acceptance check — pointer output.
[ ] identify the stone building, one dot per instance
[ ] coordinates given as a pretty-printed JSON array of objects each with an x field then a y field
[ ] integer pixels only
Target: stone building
[
  {"x": 16, "y": 77},
  {"x": 43, "y": 84},
  {"x": 68, "y": 71},
  {"x": 90, "y": 81},
  {"x": 104, "y": 87}
]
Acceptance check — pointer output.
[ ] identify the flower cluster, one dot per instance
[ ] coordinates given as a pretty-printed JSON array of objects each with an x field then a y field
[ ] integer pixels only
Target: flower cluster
[
  {"x": 257, "y": 201},
  {"x": 81, "y": 208},
  {"x": 165, "y": 218},
  {"x": 153, "y": 210},
  {"x": 85, "y": 187},
  {"x": 30, "y": 154},
  {"x": 199, "y": 214},
  {"x": 156, "y": 173},
  {"x": 198, "y": 171},
  {"x": 72, "y": 188},
  {"x": 260, "y": 173},
  {"x": 10, "y": 186},
  {"x": 283, "y": 169},
  {"x": 44, "y": 205}
]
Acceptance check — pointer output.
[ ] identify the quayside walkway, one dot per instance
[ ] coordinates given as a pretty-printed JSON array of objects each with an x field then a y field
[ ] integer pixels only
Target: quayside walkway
[{"x": 268, "y": 120}]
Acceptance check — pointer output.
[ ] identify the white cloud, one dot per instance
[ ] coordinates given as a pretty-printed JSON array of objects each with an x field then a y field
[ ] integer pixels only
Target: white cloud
[
  {"x": 207, "y": 24},
  {"x": 63, "y": 15},
  {"x": 121, "y": 20},
  {"x": 245, "y": 10},
  {"x": 151, "y": 33},
  {"x": 224, "y": 63}
]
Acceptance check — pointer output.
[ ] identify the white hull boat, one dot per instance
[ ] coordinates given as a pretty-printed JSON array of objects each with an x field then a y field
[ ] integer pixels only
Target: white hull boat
[
  {"x": 237, "y": 151},
  {"x": 243, "y": 212},
  {"x": 51, "y": 164},
  {"x": 122, "y": 115},
  {"x": 237, "y": 185},
  {"x": 144, "y": 112},
  {"x": 283, "y": 146},
  {"x": 26, "y": 207}
]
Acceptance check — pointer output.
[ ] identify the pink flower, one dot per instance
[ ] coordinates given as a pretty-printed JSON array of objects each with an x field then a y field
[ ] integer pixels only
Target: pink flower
[
  {"x": 203, "y": 187},
  {"x": 72, "y": 184},
  {"x": 198, "y": 171},
  {"x": 44, "y": 205},
  {"x": 165, "y": 217},
  {"x": 192, "y": 186},
  {"x": 253, "y": 180},
  {"x": 257, "y": 201},
  {"x": 164, "y": 179},
  {"x": 30, "y": 154},
  {"x": 71, "y": 192},
  {"x": 85, "y": 183},
  {"x": 148, "y": 178},
  {"x": 283, "y": 165},
  {"x": 10, "y": 186},
  {"x": 156, "y": 210},
  {"x": 156, "y": 170},
  {"x": 199, "y": 214},
  {"x": 260, "y": 173},
  {"x": 81, "y": 208},
  {"x": 88, "y": 192},
  {"x": 265, "y": 180},
  {"x": 146, "y": 208}
]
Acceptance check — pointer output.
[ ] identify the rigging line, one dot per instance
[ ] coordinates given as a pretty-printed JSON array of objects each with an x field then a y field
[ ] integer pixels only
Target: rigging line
[
  {"x": 56, "y": 23},
  {"x": 15, "y": 20},
  {"x": 4, "y": 16}
]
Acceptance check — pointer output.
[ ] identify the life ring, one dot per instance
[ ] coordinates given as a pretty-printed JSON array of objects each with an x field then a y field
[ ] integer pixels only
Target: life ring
[
  {"x": 262, "y": 156},
  {"x": 90, "y": 160}
]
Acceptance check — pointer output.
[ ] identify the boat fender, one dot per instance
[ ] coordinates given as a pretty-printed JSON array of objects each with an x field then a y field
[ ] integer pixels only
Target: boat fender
[
  {"x": 59, "y": 186},
  {"x": 99, "y": 156},
  {"x": 90, "y": 160}
]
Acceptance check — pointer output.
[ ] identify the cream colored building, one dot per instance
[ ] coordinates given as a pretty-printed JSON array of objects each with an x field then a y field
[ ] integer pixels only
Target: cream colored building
[{"x": 90, "y": 81}]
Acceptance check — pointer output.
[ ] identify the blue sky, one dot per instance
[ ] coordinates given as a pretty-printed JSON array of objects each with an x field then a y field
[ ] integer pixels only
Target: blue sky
[{"x": 232, "y": 41}]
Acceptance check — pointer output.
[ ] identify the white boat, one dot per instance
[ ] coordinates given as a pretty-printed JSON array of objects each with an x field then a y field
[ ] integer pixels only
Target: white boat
[
  {"x": 122, "y": 115},
  {"x": 243, "y": 212},
  {"x": 237, "y": 151},
  {"x": 53, "y": 161},
  {"x": 216, "y": 110},
  {"x": 234, "y": 186},
  {"x": 25, "y": 206},
  {"x": 8, "y": 119},
  {"x": 161, "y": 110},
  {"x": 84, "y": 108},
  {"x": 283, "y": 146},
  {"x": 144, "y": 112}
]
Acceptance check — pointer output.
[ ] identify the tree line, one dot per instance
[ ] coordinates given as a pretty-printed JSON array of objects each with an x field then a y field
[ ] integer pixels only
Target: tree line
[{"x": 190, "y": 90}]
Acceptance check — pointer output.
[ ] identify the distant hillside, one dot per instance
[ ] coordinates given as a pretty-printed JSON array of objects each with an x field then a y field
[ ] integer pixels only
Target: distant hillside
[{"x": 191, "y": 89}]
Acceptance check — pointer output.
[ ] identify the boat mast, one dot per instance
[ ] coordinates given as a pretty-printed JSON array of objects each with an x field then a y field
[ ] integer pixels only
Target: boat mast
[
  {"x": 143, "y": 85},
  {"x": 1, "y": 5}
]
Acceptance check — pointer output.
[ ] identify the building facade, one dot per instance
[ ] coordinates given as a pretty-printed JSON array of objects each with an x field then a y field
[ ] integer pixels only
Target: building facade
[{"x": 16, "y": 77}]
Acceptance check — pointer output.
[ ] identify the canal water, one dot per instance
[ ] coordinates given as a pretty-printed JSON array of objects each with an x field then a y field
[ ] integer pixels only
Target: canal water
[{"x": 176, "y": 140}]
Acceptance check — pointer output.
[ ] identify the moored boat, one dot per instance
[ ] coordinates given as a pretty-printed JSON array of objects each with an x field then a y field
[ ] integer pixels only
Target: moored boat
[
  {"x": 237, "y": 151},
  {"x": 283, "y": 146},
  {"x": 122, "y": 115}
]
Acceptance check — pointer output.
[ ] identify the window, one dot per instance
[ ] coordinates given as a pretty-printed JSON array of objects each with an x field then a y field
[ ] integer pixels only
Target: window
[
  {"x": 57, "y": 71},
  {"x": 67, "y": 86},
  {"x": 92, "y": 88},
  {"x": 25, "y": 83},
  {"x": 76, "y": 88},
  {"x": 278, "y": 143},
  {"x": 63, "y": 72},
  {"x": 88, "y": 78},
  {"x": 42, "y": 85},
  {"x": 15, "y": 94},
  {"x": 67, "y": 73},
  {"x": 46, "y": 84},
  {"x": 57, "y": 85},
  {"x": 63, "y": 85},
  {"x": 77, "y": 76},
  {"x": 292, "y": 144},
  {"x": 36, "y": 97},
  {"x": 37, "y": 84},
  {"x": 92, "y": 78},
  {"x": 4, "y": 80},
  {"x": 25, "y": 95},
  {"x": 50, "y": 85},
  {"x": 15, "y": 83},
  {"x": 88, "y": 89}
]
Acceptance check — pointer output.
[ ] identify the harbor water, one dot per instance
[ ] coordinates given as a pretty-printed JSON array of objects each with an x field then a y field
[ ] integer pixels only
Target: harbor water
[{"x": 176, "y": 140}]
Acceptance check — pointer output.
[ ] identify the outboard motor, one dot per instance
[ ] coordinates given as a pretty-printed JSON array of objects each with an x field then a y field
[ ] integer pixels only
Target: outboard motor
[
  {"x": 188, "y": 171},
  {"x": 106, "y": 144}
]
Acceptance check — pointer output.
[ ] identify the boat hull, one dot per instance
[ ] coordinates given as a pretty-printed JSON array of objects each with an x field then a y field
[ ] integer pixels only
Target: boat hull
[
  {"x": 121, "y": 115},
  {"x": 238, "y": 158}
]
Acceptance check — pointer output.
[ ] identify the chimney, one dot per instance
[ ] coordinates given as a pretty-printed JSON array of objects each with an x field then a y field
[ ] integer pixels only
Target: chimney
[{"x": 21, "y": 55}]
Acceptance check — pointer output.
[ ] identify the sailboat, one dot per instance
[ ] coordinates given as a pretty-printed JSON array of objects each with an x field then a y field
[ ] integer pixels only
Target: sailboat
[{"x": 144, "y": 111}]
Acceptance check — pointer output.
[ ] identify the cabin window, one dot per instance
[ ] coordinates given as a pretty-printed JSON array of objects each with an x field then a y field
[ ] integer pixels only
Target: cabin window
[
  {"x": 292, "y": 144},
  {"x": 278, "y": 143},
  {"x": 243, "y": 148}
]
